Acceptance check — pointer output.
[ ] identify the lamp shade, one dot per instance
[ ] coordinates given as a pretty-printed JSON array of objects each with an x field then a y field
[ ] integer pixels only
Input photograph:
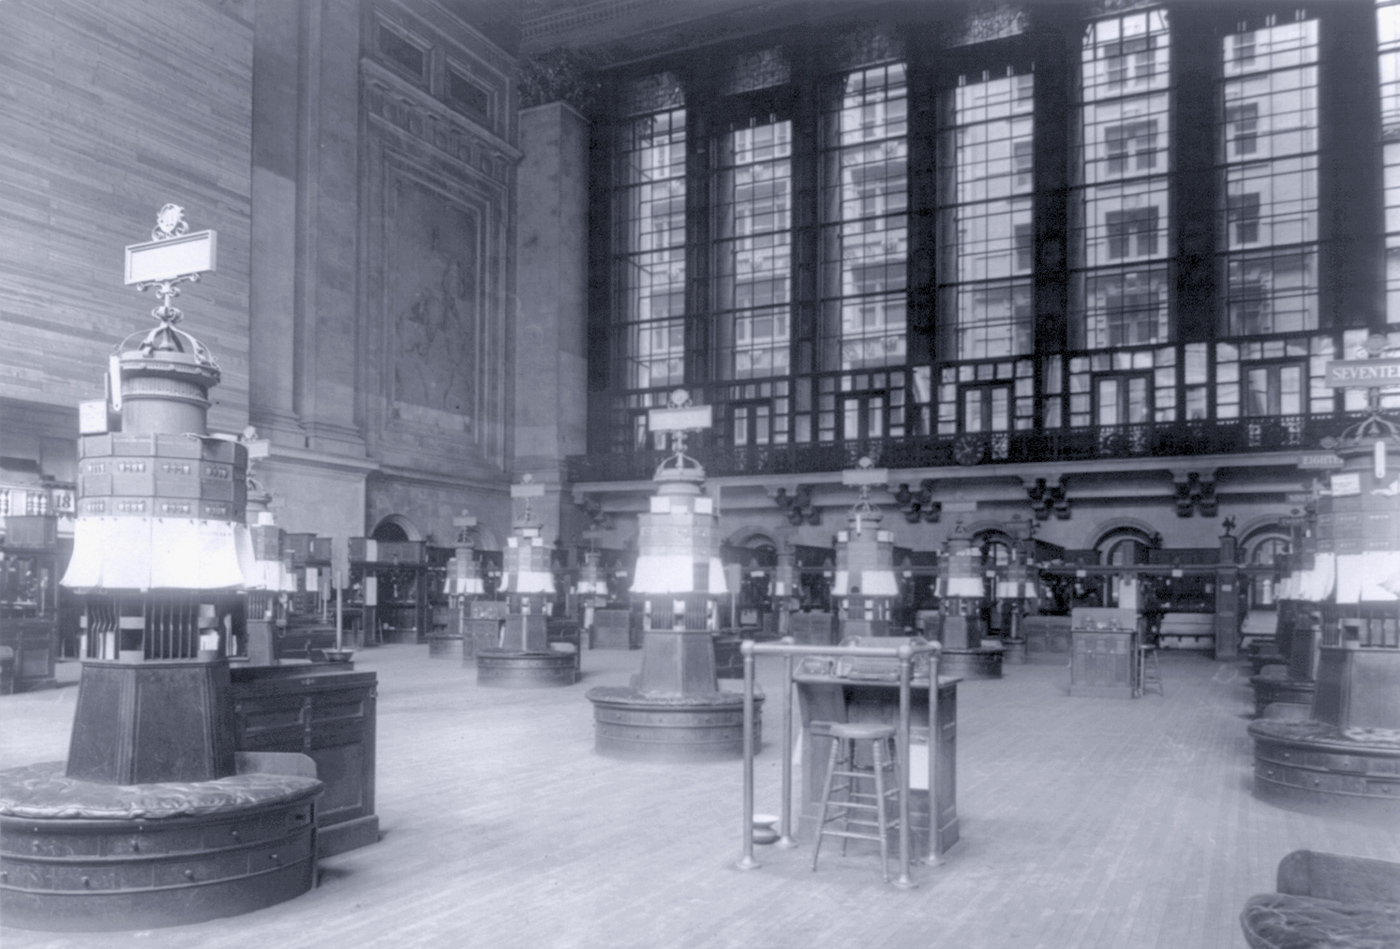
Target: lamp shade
[
  {"x": 527, "y": 563},
  {"x": 960, "y": 570},
  {"x": 591, "y": 581}
]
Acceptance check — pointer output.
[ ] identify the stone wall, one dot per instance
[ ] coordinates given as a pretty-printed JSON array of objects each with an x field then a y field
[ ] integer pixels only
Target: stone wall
[{"x": 109, "y": 111}]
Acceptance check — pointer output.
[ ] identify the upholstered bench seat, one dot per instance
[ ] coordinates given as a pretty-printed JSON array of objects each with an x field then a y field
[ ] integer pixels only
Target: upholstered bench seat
[{"x": 1285, "y": 921}]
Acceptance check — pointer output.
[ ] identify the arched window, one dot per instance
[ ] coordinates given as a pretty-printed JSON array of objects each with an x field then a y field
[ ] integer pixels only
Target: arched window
[
  {"x": 1263, "y": 552},
  {"x": 1124, "y": 546}
]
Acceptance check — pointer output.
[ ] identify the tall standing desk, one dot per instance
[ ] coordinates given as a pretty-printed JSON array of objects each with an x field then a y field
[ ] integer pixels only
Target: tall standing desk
[{"x": 865, "y": 683}]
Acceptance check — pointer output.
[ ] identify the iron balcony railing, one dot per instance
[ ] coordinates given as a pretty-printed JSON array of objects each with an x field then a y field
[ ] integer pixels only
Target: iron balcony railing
[{"x": 1106, "y": 442}]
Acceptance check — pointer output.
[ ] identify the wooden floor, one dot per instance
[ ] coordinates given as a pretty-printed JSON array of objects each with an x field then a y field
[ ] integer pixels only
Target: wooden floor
[{"x": 1086, "y": 822}]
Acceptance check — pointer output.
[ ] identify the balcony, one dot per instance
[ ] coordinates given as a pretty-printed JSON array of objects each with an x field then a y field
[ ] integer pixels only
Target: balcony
[{"x": 1168, "y": 440}]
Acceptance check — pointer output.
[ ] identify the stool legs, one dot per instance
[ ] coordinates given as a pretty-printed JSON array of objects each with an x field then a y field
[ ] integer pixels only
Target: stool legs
[
  {"x": 832, "y": 761},
  {"x": 841, "y": 763}
]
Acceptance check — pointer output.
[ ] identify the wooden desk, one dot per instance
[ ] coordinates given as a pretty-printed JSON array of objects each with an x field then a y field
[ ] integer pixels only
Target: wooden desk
[{"x": 830, "y": 698}]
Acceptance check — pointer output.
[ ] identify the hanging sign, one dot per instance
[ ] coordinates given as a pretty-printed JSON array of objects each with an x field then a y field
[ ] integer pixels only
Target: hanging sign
[
  {"x": 1363, "y": 373},
  {"x": 1346, "y": 484},
  {"x": 1319, "y": 461}
]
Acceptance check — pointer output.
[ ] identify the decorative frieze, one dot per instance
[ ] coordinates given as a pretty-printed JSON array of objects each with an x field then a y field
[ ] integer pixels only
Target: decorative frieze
[
  {"x": 434, "y": 124},
  {"x": 986, "y": 21}
]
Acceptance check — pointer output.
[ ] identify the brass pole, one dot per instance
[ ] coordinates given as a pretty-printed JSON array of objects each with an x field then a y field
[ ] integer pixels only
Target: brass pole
[
  {"x": 905, "y": 661},
  {"x": 747, "y": 862}
]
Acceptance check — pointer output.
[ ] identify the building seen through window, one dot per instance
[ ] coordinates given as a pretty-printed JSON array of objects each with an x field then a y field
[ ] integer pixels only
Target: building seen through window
[
  {"x": 1268, "y": 159},
  {"x": 652, "y": 253},
  {"x": 986, "y": 230},
  {"x": 1120, "y": 205},
  {"x": 1388, "y": 30},
  {"x": 865, "y": 240},
  {"x": 753, "y": 251}
]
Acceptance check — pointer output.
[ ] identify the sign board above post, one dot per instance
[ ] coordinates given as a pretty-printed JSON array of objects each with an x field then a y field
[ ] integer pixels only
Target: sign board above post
[
  {"x": 681, "y": 419},
  {"x": 1363, "y": 373},
  {"x": 865, "y": 477},
  {"x": 154, "y": 261}
]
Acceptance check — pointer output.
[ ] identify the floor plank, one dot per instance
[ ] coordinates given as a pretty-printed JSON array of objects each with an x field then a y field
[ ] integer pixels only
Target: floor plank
[{"x": 1087, "y": 823}]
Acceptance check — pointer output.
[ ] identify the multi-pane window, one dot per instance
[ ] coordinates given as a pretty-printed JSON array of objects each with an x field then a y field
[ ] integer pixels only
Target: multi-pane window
[
  {"x": 651, "y": 255},
  {"x": 1273, "y": 390},
  {"x": 753, "y": 250},
  {"x": 865, "y": 237},
  {"x": 1388, "y": 30},
  {"x": 1119, "y": 206},
  {"x": 1268, "y": 155},
  {"x": 986, "y": 235}
]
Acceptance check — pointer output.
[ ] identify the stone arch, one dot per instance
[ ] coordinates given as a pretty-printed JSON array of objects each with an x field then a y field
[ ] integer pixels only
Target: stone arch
[
  {"x": 396, "y": 527},
  {"x": 1256, "y": 528},
  {"x": 755, "y": 537},
  {"x": 1118, "y": 525}
]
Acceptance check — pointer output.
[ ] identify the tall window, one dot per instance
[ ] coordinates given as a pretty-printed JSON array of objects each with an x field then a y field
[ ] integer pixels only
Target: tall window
[
  {"x": 986, "y": 231},
  {"x": 1388, "y": 29},
  {"x": 651, "y": 252},
  {"x": 865, "y": 240},
  {"x": 1120, "y": 210},
  {"x": 1268, "y": 156},
  {"x": 753, "y": 250}
]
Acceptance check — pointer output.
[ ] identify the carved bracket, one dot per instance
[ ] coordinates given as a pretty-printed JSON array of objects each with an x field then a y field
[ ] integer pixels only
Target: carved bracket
[
  {"x": 1195, "y": 493},
  {"x": 918, "y": 505},
  {"x": 1047, "y": 498},
  {"x": 798, "y": 505},
  {"x": 598, "y": 518}
]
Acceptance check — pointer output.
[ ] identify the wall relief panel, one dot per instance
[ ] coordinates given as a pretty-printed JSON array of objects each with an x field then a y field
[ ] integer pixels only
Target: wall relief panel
[
  {"x": 437, "y": 263},
  {"x": 434, "y": 300}
]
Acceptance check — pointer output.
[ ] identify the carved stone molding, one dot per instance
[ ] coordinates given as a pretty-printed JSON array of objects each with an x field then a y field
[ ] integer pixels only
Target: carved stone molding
[
  {"x": 389, "y": 100},
  {"x": 1047, "y": 498},
  {"x": 798, "y": 505},
  {"x": 918, "y": 505},
  {"x": 1195, "y": 493}
]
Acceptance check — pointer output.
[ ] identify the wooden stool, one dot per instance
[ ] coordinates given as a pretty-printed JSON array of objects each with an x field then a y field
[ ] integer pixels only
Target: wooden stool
[
  {"x": 846, "y": 741},
  {"x": 1149, "y": 671}
]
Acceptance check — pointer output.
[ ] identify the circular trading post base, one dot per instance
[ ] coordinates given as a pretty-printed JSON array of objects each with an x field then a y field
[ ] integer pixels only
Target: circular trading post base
[
  {"x": 444, "y": 647},
  {"x": 503, "y": 669},
  {"x": 703, "y": 726},
  {"x": 971, "y": 663},
  {"x": 1314, "y": 763},
  {"x": 73, "y": 858},
  {"x": 1015, "y": 650}
]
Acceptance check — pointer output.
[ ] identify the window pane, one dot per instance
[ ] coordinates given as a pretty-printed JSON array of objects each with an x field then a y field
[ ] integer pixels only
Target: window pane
[
  {"x": 1268, "y": 135},
  {"x": 1120, "y": 206},
  {"x": 753, "y": 253},
  {"x": 987, "y": 239},
  {"x": 865, "y": 238},
  {"x": 651, "y": 248}
]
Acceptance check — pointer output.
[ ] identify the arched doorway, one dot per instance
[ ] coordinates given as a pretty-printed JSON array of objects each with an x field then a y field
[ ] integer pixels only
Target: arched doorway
[{"x": 396, "y": 529}]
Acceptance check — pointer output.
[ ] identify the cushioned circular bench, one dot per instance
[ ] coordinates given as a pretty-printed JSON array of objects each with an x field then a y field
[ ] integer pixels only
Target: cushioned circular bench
[
  {"x": 1327, "y": 901},
  {"x": 77, "y": 855}
]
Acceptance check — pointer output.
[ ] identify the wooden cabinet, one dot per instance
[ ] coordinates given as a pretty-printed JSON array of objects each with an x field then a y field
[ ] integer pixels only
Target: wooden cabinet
[
  {"x": 326, "y": 713},
  {"x": 617, "y": 629},
  {"x": 28, "y": 617},
  {"x": 1103, "y": 646}
]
